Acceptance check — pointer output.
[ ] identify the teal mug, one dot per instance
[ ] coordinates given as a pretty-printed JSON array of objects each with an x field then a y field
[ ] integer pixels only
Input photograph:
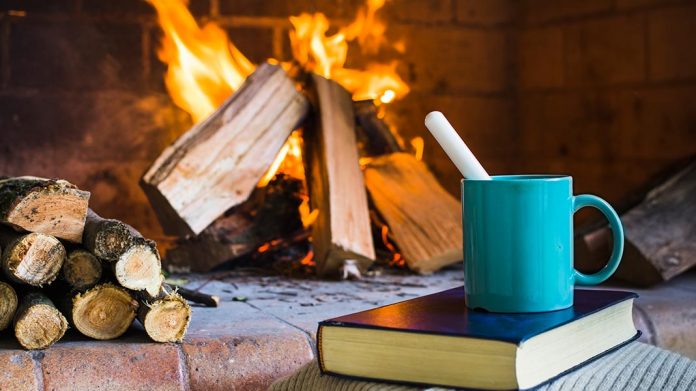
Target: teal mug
[{"x": 518, "y": 242}]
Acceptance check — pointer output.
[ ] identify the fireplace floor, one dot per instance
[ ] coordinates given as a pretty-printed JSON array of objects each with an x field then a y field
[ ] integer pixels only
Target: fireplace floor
[{"x": 265, "y": 328}]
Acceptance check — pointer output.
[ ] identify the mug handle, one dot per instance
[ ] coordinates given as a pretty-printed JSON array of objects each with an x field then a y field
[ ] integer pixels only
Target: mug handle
[{"x": 617, "y": 233}]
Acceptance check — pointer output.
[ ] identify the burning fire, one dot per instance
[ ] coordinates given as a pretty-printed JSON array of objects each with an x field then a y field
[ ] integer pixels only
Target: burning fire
[{"x": 205, "y": 68}]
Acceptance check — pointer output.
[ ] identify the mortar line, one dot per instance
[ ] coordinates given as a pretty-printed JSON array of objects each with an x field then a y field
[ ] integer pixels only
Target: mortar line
[
  {"x": 183, "y": 367},
  {"x": 307, "y": 335},
  {"x": 36, "y": 358}
]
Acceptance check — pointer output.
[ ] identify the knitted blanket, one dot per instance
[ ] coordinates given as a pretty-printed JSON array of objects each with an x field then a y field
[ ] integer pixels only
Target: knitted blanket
[{"x": 636, "y": 366}]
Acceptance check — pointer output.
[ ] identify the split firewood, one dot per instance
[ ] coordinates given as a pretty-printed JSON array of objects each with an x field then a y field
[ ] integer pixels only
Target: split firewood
[
  {"x": 81, "y": 270},
  {"x": 108, "y": 239},
  {"x": 166, "y": 318},
  {"x": 38, "y": 324},
  {"x": 659, "y": 234},
  {"x": 8, "y": 304},
  {"x": 217, "y": 164},
  {"x": 423, "y": 218},
  {"x": 34, "y": 258},
  {"x": 336, "y": 186},
  {"x": 51, "y": 207},
  {"x": 103, "y": 312},
  {"x": 140, "y": 268}
]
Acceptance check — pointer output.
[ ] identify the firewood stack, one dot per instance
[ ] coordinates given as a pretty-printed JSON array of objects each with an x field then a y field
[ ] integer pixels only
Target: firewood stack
[
  {"x": 204, "y": 187},
  {"x": 65, "y": 266}
]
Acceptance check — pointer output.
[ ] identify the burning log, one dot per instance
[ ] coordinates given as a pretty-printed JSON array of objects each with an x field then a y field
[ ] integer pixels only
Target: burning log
[
  {"x": 81, "y": 270},
  {"x": 47, "y": 206},
  {"x": 424, "y": 220},
  {"x": 103, "y": 312},
  {"x": 166, "y": 318},
  {"x": 34, "y": 259},
  {"x": 217, "y": 164},
  {"x": 374, "y": 135},
  {"x": 658, "y": 234},
  {"x": 8, "y": 304},
  {"x": 38, "y": 324},
  {"x": 269, "y": 214},
  {"x": 336, "y": 187}
]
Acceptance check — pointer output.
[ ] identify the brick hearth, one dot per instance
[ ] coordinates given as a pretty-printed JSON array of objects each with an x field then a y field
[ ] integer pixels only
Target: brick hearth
[{"x": 265, "y": 328}]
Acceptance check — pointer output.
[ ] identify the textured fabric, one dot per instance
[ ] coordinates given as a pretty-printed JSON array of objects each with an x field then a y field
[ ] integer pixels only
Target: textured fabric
[{"x": 636, "y": 366}]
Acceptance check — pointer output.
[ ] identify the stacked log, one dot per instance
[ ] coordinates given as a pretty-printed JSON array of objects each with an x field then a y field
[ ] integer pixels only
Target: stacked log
[{"x": 64, "y": 264}]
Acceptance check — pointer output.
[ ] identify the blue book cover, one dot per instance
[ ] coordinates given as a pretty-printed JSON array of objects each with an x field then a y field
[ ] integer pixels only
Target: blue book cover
[{"x": 445, "y": 313}]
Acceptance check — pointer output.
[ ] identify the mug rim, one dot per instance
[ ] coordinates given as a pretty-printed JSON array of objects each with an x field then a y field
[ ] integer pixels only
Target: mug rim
[{"x": 523, "y": 178}]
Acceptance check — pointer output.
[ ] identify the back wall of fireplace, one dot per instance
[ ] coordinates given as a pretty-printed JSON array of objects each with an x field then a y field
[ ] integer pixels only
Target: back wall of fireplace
[{"x": 603, "y": 90}]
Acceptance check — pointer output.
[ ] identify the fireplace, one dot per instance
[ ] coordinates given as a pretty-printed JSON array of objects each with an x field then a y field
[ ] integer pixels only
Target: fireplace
[
  {"x": 531, "y": 88},
  {"x": 601, "y": 90}
]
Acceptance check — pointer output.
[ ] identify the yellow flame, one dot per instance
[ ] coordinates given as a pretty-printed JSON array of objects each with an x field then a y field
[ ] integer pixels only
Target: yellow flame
[
  {"x": 418, "y": 145},
  {"x": 204, "y": 67},
  {"x": 326, "y": 54}
]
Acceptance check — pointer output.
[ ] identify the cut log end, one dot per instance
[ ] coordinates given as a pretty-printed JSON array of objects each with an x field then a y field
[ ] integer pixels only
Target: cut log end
[
  {"x": 167, "y": 319},
  {"x": 103, "y": 312},
  {"x": 52, "y": 207},
  {"x": 38, "y": 323},
  {"x": 81, "y": 270},
  {"x": 34, "y": 259},
  {"x": 140, "y": 268},
  {"x": 8, "y": 304}
]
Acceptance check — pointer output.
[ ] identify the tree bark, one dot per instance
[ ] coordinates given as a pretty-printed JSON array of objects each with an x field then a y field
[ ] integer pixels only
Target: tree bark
[
  {"x": 423, "y": 218},
  {"x": 336, "y": 187},
  {"x": 108, "y": 239},
  {"x": 217, "y": 164},
  {"x": 38, "y": 324},
  {"x": 81, "y": 270},
  {"x": 103, "y": 312},
  {"x": 8, "y": 304},
  {"x": 33, "y": 259},
  {"x": 47, "y": 206},
  {"x": 166, "y": 318}
]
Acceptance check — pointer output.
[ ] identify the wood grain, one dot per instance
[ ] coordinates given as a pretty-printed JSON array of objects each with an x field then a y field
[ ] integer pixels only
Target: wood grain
[
  {"x": 217, "y": 163},
  {"x": 336, "y": 186},
  {"x": 424, "y": 219}
]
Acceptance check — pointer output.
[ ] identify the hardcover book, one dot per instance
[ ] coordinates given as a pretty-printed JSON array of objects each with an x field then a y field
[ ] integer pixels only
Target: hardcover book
[{"x": 436, "y": 340}]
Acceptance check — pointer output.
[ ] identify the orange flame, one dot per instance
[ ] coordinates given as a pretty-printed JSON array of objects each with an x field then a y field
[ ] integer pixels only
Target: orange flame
[
  {"x": 326, "y": 54},
  {"x": 397, "y": 258},
  {"x": 205, "y": 68}
]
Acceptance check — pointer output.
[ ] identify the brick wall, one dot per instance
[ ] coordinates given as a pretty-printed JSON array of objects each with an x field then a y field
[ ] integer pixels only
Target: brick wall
[
  {"x": 601, "y": 89},
  {"x": 605, "y": 89},
  {"x": 82, "y": 97}
]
